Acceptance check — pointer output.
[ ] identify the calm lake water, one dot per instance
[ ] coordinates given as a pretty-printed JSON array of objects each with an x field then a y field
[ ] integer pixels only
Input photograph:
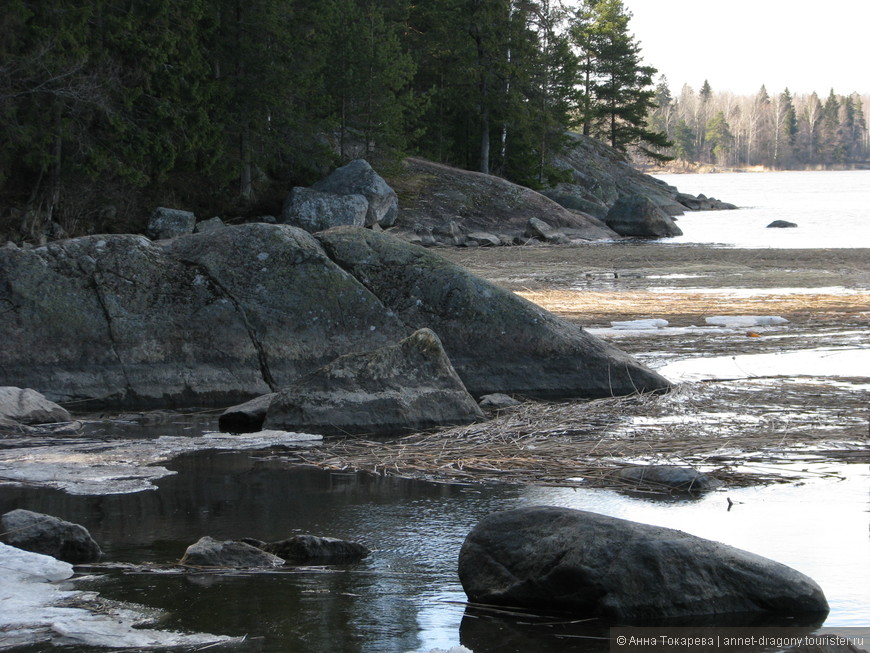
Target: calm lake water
[
  {"x": 831, "y": 209},
  {"x": 406, "y": 596}
]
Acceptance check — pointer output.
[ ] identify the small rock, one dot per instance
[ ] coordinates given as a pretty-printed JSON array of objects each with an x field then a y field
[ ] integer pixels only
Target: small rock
[
  {"x": 247, "y": 417},
  {"x": 636, "y": 215},
  {"x": 208, "y": 552},
  {"x": 212, "y": 224},
  {"x": 497, "y": 401},
  {"x": 781, "y": 224},
  {"x": 401, "y": 388},
  {"x": 39, "y": 533}
]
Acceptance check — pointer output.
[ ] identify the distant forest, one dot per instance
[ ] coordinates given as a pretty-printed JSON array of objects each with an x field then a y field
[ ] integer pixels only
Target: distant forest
[
  {"x": 108, "y": 108},
  {"x": 778, "y": 130}
]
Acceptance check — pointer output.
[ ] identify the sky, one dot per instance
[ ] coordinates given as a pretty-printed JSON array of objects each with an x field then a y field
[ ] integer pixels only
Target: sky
[{"x": 738, "y": 45}]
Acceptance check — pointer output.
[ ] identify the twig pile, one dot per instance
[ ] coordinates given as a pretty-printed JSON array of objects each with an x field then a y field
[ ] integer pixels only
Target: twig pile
[{"x": 567, "y": 444}]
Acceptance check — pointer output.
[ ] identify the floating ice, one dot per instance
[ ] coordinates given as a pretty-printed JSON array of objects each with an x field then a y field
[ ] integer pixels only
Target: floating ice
[
  {"x": 124, "y": 466},
  {"x": 36, "y": 610},
  {"x": 640, "y": 324},
  {"x": 843, "y": 363},
  {"x": 741, "y": 321}
]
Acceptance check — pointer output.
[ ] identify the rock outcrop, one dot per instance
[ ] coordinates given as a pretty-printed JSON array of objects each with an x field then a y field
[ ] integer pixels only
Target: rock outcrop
[
  {"x": 227, "y": 315},
  {"x": 546, "y": 558},
  {"x": 600, "y": 175},
  {"x": 433, "y": 196},
  {"x": 400, "y": 388},
  {"x": 497, "y": 341},
  {"x": 211, "y": 318},
  {"x": 48, "y": 535}
]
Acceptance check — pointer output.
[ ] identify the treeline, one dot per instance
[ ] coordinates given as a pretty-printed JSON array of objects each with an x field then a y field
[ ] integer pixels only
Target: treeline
[
  {"x": 780, "y": 131},
  {"x": 109, "y": 107}
]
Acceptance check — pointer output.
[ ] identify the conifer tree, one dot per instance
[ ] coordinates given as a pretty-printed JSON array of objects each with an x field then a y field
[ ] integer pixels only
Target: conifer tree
[{"x": 618, "y": 94}]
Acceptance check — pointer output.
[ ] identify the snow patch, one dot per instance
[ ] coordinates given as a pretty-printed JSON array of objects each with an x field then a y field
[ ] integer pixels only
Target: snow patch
[
  {"x": 742, "y": 321},
  {"x": 651, "y": 323},
  {"x": 37, "y": 610}
]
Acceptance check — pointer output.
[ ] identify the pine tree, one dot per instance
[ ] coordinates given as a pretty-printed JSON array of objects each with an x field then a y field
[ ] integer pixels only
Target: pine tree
[{"x": 618, "y": 96}]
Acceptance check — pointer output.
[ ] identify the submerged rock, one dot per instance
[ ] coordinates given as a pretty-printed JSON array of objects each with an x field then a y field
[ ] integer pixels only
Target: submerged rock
[
  {"x": 209, "y": 552},
  {"x": 497, "y": 341},
  {"x": 547, "y": 558},
  {"x": 48, "y": 535},
  {"x": 782, "y": 224},
  {"x": 407, "y": 387},
  {"x": 311, "y": 549},
  {"x": 668, "y": 476}
]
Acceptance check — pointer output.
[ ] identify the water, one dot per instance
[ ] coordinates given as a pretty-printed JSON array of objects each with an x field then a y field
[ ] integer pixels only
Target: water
[
  {"x": 831, "y": 209},
  {"x": 406, "y": 596}
]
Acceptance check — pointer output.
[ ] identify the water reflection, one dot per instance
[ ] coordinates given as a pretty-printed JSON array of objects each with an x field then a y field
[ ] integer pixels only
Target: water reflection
[{"x": 406, "y": 596}]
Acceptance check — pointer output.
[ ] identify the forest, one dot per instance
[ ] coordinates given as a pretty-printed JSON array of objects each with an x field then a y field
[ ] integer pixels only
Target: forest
[
  {"x": 109, "y": 108},
  {"x": 770, "y": 130},
  {"x": 220, "y": 106}
]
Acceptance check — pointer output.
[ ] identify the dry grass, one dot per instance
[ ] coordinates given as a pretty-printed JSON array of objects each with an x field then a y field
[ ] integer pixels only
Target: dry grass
[{"x": 684, "y": 308}]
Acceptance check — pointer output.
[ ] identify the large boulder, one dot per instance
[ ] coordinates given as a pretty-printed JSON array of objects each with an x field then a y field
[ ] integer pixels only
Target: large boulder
[
  {"x": 209, "y": 552},
  {"x": 636, "y": 215},
  {"x": 28, "y": 406},
  {"x": 170, "y": 223},
  {"x": 314, "y": 210},
  {"x": 48, "y": 535},
  {"x": 359, "y": 178},
  {"x": 547, "y": 558},
  {"x": 406, "y": 387},
  {"x": 211, "y": 318},
  {"x": 497, "y": 341}
]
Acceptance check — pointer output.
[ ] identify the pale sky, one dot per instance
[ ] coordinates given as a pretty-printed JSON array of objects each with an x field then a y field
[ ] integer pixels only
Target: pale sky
[{"x": 738, "y": 45}]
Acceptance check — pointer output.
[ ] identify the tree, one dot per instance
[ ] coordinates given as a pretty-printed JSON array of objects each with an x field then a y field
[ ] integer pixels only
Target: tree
[
  {"x": 719, "y": 137},
  {"x": 617, "y": 93},
  {"x": 684, "y": 142}
]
